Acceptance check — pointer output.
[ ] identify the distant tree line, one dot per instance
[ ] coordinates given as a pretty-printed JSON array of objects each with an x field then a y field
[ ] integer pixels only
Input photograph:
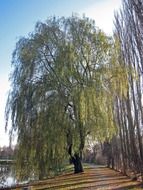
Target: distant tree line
[{"x": 7, "y": 153}]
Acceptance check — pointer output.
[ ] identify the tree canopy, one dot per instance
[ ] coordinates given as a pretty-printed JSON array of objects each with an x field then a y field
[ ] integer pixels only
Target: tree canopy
[{"x": 65, "y": 79}]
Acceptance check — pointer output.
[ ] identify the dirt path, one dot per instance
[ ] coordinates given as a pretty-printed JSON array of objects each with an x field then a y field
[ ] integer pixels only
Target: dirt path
[{"x": 93, "y": 178}]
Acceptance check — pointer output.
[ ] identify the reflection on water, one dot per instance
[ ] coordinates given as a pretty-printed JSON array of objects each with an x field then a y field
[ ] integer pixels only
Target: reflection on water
[
  {"x": 6, "y": 180},
  {"x": 6, "y": 175}
]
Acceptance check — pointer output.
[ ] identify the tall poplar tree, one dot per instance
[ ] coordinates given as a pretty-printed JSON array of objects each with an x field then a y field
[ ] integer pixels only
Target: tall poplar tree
[{"x": 129, "y": 109}]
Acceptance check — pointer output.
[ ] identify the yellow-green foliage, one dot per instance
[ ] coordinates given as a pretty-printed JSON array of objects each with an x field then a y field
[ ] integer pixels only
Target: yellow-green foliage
[{"x": 65, "y": 79}]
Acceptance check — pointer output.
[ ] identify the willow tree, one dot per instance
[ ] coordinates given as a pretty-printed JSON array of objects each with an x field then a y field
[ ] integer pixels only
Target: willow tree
[{"x": 61, "y": 93}]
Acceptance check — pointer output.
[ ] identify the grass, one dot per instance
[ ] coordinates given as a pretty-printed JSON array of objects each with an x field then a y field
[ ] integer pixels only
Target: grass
[{"x": 93, "y": 178}]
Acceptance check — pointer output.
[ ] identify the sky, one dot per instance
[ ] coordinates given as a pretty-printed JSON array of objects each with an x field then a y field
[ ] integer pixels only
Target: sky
[{"x": 18, "y": 18}]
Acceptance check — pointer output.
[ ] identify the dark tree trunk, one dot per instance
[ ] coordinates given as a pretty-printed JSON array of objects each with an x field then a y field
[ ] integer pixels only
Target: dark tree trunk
[
  {"x": 75, "y": 160},
  {"x": 77, "y": 163}
]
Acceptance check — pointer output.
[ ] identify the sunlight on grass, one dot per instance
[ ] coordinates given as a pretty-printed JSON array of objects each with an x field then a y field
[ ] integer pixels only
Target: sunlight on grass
[{"x": 93, "y": 177}]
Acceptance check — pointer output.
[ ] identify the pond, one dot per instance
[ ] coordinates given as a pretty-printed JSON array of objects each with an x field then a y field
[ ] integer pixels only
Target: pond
[{"x": 7, "y": 179}]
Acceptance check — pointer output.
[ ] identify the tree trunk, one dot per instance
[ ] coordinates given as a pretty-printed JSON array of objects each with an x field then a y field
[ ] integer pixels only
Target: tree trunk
[
  {"x": 77, "y": 163},
  {"x": 75, "y": 160}
]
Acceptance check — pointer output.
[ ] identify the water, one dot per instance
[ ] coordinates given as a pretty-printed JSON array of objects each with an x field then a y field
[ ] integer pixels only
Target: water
[{"x": 7, "y": 180}]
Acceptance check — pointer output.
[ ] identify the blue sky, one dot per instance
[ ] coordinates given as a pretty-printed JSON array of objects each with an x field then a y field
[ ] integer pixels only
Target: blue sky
[{"x": 18, "y": 18}]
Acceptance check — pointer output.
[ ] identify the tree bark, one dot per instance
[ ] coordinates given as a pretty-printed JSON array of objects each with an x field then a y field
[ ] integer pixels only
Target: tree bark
[
  {"x": 78, "y": 168},
  {"x": 75, "y": 160}
]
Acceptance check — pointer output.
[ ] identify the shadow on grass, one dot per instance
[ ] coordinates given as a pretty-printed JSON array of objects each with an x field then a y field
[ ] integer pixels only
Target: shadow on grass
[
  {"x": 88, "y": 185},
  {"x": 128, "y": 187},
  {"x": 92, "y": 178}
]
